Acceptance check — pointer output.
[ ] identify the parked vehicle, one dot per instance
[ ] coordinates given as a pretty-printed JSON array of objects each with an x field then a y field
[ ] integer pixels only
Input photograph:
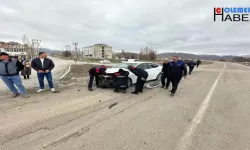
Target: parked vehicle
[
  {"x": 154, "y": 72},
  {"x": 130, "y": 60},
  {"x": 104, "y": 62}
]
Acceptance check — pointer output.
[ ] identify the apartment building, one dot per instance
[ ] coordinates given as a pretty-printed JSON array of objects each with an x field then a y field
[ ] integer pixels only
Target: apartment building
[
  {"x": 14, "y": 49},
  {"x": 98, "y": 51}
]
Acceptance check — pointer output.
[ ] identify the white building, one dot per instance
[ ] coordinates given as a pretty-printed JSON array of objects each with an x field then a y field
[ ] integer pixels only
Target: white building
[
  {"x": 98, "y": 51},
  {"x": 14, "y": 49}
]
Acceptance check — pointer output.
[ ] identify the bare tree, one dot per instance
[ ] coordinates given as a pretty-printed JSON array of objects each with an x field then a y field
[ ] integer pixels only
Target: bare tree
[
  {"x": 67, "y": 53},
  {"x": 152, "y": 55},
  {"x": 123, "y": 53},
  {"x": 241, "y": 59},
  {"x": 28, "y": 46},
  {"x": 148, "y": 53}
]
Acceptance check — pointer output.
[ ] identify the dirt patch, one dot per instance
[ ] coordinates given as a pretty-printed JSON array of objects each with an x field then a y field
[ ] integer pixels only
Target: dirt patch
[
  {"x": 78, "y": 75},
  {"x": 79, "y": 71},
  {"x": 245, "y": 63}
]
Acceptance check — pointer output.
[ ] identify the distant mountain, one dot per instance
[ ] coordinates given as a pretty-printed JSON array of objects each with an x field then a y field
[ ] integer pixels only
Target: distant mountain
[
  {"x": 48, "y": 51},
  {"x": 194, "y": 56},
  {"x": 247, "y": 56}
]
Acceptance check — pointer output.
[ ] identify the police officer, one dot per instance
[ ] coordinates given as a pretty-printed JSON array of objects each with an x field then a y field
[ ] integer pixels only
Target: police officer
[
  {"x": 165, "y": 74},
  {"x": 95, "y": 72},
  {"x": 121, "y": 81},
  {"x": 191, "y": 66},
  {"x": 198, "y": 62},
  {"x": 176, "y": 69},
  {"x": 142, "y": 76}
]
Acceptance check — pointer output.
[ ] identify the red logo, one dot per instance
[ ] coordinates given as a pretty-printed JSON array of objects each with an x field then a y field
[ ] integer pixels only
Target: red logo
[{"x": 218, "y": 10}]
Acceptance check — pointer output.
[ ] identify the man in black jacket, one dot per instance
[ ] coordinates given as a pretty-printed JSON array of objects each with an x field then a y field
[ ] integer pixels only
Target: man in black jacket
[
  {"x": 165, "y": 74},
  {"x": 44, "y": 66},
  {"x": 198, "y": 62},
  {"x": 142, "y": 76},
  {"x": 191, "y": 66},
  {"x": 95, "y": 72},
  {"x": 121, "y": 81},
  {"x": 9, "y": 73},
  {"x": 176, "y": 69}
]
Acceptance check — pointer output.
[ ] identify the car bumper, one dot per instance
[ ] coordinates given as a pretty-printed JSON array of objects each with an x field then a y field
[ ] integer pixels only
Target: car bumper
[{"x": 106, "y": 80}]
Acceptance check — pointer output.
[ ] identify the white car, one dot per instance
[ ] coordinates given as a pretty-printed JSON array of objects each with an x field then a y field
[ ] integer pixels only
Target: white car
[
  {"x": 104, "y": 62},
  {"x": 154, "y": 72}
]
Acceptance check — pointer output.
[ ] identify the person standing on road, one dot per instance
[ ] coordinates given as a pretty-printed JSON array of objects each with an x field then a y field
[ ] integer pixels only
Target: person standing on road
[
  {"x": 198, "y": 62},
  {"x": 95, "y": 72},
  {"x": 26, "y": 72},
  {"x": 44, "y": 66},
  {"x": 191, "y": 66},
  {"x": 142, "y": 76},
  {"x": 165, "y": 74},
  {"x": 9, "y": 73},
  {"x": 176, "y": 69}
]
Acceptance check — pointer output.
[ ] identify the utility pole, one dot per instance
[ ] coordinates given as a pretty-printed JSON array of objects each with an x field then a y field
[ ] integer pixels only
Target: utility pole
[
  {"x": 35, "y": 44},
  {"x": 76, "y": 44},
  {"x": 83, "y": 52}
]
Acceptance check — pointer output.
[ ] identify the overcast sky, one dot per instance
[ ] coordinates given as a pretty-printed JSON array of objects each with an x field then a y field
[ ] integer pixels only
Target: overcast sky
[{"x": 168, "y": 25}]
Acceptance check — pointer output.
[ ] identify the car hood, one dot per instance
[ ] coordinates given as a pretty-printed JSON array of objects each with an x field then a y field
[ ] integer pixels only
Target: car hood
[{"x": 114, "y": 70}]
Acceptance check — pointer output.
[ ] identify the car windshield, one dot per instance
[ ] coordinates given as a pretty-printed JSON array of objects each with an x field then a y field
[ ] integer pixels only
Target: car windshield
[{"x": 124, "y": 65}]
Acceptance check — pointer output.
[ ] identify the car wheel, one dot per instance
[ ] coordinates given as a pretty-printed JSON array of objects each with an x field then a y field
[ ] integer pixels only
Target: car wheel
[
  {"x": 129, "y": 82},
  {"x": 158, "y": 78}
]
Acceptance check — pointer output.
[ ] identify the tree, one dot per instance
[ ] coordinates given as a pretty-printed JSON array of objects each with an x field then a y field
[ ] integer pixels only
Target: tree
[
  {"x": 67, "y": 53},
  {"x": 152, "y": 55},
  {"x": 28, "y": 46},
  {"x": 148, "y": 53},
  {"x": 241, "y": 59}
]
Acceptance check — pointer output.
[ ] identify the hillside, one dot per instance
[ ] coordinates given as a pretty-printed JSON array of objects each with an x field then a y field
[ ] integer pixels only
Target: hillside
[
  {"x": 48, "y": 51},
  {"x": 247, "y": 56},
  {"x": 194, "y": 56}
]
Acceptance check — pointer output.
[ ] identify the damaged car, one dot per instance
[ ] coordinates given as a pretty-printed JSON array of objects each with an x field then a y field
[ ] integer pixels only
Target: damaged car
[{"x": 153, "y": 69}]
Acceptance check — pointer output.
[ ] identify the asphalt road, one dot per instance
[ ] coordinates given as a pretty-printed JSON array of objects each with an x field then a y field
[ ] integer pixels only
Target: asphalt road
[{"x": 209, "y": 112}]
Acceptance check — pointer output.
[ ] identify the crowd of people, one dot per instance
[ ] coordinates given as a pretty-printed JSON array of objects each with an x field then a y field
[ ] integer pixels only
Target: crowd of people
[
  {"x": 172, "y": 71},
  {"x": 10, "y": 69}
]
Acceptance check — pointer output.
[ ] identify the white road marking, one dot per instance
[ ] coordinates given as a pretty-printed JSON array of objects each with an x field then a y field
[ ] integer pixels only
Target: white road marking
[
  {"x": 185, "y": 141},
  {"x": 66, "y": 73}
]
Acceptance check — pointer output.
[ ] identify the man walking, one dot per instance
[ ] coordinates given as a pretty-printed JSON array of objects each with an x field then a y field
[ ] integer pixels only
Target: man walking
[
  {"x": 142, "y": 76},
  {"x": 9, "y": 73},
  {"x": 165, "y": 74},
  {"x": 176, "y": 69},
  {"x": 198, "y": 62},
  {"x": 191, "y": 66},
  {"x": 44, "y": 66}
]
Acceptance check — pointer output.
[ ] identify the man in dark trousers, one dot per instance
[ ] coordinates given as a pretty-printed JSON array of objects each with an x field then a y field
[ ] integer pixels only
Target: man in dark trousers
[
  {"x": 121, "y": 81},
  {"x": 142, "y": 76},
  {"x": 165, "y": 74},
  {"x": 9, "y": 73},
  {"x": 191, "y": 66},
  {"x": 198, "y": 62},
  {"x": 176, "y": 69},
  {"x": 44, "y": 66},
  {"x": 95, "y": 72}
]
